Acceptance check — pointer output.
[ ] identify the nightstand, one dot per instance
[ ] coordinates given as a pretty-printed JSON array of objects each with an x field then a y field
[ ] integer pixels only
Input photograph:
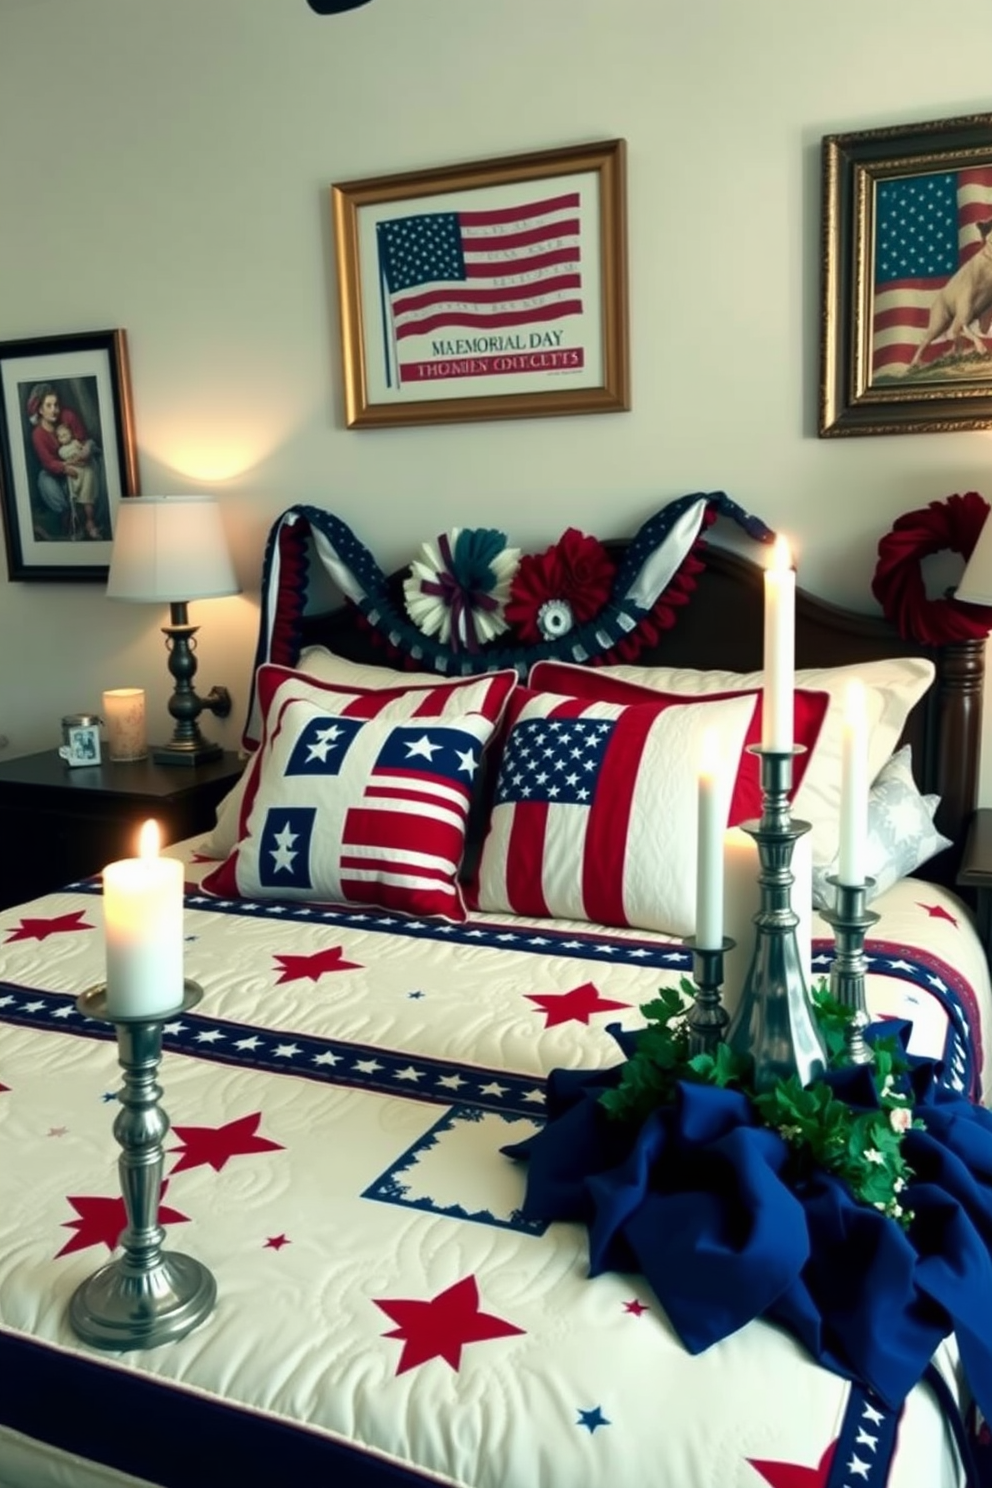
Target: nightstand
[
  {"x": 975, "y": 873},
  {"x": 59, "y": 823}
]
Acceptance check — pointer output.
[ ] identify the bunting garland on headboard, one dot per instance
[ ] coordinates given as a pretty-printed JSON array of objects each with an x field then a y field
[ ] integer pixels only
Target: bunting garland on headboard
[{"x": 459, "y": 591}]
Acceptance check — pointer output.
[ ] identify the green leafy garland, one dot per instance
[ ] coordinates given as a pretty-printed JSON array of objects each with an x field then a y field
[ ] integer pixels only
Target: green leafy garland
[{"x": 863, "y": 1148}]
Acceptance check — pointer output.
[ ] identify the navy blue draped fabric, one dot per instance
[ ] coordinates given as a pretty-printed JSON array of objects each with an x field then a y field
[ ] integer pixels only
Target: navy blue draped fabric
[{"x": 726, "y": 1225}]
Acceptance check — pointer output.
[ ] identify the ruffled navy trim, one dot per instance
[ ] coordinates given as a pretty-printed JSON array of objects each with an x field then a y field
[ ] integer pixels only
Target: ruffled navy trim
[{"x": 594, "y": 638}]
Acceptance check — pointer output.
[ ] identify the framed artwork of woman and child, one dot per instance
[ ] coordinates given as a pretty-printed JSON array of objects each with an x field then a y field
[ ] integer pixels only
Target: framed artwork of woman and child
[{"x": 67, "y": 452}]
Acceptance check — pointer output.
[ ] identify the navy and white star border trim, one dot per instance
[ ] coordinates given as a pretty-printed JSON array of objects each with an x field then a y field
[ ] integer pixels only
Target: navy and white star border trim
[
  {"x": 368, "y": 1067},
  {"x": 866, "y": 1443}
]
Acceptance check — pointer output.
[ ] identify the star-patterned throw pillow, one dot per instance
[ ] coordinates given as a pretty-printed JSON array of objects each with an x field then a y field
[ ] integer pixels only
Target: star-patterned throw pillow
[
  {"x": 594, "y": 815},
  {"x": 398, "y": 694},
  {"x": 901, "y": 832},
  {"x": 357, "y": 796}
]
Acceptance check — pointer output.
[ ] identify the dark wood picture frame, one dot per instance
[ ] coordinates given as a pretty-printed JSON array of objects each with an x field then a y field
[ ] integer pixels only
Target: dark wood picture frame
[
  {"x": 433, "y": 273},
  {"x": 58, "y": 517},
  {"x": 906, "y": 330}
]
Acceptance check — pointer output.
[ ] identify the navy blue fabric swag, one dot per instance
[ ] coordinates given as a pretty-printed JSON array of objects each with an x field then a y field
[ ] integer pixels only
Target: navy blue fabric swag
[{"x": 714, "y": 1210}]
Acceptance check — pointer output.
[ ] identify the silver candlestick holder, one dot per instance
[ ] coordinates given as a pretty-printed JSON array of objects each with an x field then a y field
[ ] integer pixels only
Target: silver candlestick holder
[
  {"x": 707, "y": 1019},
  {"x": 147, "y": 1295},
  {"x": 850, "y": 921},
  {"x": 774, "y": 1020}
]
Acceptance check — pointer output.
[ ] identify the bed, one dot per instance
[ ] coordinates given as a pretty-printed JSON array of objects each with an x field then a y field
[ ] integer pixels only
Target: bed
[{"x": 343, "y": 1098}]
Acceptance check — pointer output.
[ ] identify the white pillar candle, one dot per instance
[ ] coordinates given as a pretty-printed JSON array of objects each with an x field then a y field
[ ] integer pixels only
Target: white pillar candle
[
  {"x": 741, "y": 902},
  {"x": 124, "y": 719},
  {"x": 853, "y": 787},
  {"x": 780, "y": 650},
  {"x": 711, "y": 820},
  {"x": 143, "y": 924}
]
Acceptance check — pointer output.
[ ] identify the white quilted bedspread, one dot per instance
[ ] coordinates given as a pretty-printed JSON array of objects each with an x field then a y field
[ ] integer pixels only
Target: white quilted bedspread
[{"x": 339, "y": 1100}]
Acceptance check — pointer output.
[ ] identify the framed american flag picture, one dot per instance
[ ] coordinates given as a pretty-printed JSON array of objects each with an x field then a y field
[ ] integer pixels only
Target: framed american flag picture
[
  {"x": 491, "y": 290},
  {"x": 906, "y": 326}
]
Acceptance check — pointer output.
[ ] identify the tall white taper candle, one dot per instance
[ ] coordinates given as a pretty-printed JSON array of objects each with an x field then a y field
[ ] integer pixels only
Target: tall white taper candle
[
  {"x": 711, "y": 820},
  {"x": 780, "y": 650},
  {"x": 854, "y": 788},
  {"x": 143, "y": 921}
]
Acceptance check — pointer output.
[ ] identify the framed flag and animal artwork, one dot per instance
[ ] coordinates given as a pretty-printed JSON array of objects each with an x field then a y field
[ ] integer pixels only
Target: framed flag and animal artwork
[
  {"x": 490, "y": 290},
  {"x": 906, "y": 329}
]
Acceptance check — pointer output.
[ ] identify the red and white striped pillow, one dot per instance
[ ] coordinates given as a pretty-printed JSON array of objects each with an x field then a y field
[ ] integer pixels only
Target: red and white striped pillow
[
  {"x": 594, "y": 813},
  {"x": 601, "y": 684},
  {"x": 361, "y": 796}
]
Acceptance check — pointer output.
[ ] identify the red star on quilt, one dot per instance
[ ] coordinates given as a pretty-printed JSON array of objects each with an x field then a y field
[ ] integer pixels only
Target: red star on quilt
[
  {"x": 199, "y": 857},
  {"x": 938, "y": 912},
  {"x": 214, "y": 1145},
  {"x": 276, "y": 1242},
  {"x": 791, "y": 1475},
  {"x": 440, "y": 1328},
  {"x": 32, "y": 928},
  {"x": 3, "y": 1086},
  {"x": 576, "y": 1006},
  {"x": 102, "y": 1221},
  {"x": 298, "y": 968},
  {"x": 635, "y": 1307}
]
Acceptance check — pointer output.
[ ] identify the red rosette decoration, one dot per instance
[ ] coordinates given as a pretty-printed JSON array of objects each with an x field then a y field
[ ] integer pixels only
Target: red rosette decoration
[
  {"x": 560, "y": 588},
  {"x": 952, "y": 525}
]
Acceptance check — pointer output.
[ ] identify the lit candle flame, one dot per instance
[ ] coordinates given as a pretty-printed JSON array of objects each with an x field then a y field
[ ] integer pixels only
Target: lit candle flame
[
  {"x": 148, "y": 840},
  {"x": 781, "y": 558}
]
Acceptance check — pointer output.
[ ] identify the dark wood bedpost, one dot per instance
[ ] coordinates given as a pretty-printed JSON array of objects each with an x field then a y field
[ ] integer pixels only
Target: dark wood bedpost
[{"x": 960, "y": 679}]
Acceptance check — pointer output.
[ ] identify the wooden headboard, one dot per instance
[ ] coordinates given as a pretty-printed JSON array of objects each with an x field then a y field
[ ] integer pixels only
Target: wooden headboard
[{"x": 722, "y": 626}]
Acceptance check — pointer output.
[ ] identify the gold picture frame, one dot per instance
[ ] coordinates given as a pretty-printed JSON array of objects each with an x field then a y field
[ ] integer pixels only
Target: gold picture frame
[
  {"x": 491, "y": 290},
  {"x": 906, "y": 317}
]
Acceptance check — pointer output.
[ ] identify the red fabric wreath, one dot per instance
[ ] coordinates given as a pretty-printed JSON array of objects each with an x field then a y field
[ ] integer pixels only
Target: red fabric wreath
[
  {"x": 898, "y": 586},
  {"x": 576, "y": 570}
]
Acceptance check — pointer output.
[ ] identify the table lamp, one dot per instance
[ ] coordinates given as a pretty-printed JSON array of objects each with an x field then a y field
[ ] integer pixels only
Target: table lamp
[{"x": 170, "y": 550}]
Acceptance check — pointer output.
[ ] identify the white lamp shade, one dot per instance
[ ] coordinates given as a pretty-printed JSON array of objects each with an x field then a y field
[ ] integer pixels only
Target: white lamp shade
[
  {"x": 976, "y": 581},
  {"x": 170, "y": 549}
]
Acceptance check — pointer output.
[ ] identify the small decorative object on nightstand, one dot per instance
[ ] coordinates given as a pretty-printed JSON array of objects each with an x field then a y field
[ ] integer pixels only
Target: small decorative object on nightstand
[
  {"x": 124, "y": 720},
  {"x": 169, "y": 550}
]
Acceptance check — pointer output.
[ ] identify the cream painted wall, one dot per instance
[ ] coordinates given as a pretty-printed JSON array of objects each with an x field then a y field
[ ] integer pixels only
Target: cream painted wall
[{"x": 165, "y": 165}]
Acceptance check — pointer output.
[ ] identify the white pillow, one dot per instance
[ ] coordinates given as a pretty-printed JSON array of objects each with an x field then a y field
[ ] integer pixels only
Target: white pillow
[
  {"x": 901, "y": 833},
  {"x": 892, "y": 688},
  {"x": 317, "y": 661}
]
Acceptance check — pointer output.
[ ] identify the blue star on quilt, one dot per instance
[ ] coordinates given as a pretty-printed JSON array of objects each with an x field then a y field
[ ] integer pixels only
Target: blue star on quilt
[{"x": 590, "y": 1419}]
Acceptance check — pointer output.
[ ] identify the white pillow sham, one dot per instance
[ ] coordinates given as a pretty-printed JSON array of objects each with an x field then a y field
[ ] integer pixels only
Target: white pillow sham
[{"x": 901, "y": 833}]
